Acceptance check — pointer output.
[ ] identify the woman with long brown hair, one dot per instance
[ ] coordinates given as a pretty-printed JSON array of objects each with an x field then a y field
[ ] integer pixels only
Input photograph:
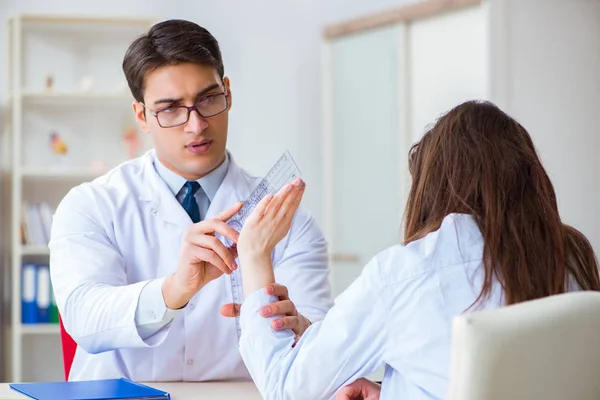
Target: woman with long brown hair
[{"x": 482, "y": 230}]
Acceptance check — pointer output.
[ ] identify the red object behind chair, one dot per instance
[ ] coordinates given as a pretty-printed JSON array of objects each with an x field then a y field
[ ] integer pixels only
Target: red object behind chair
[{"x": 68, "y": 348}]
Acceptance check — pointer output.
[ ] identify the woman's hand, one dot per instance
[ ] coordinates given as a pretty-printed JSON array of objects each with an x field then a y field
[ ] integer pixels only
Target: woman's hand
[
  {"x": 361, "y": 389},
  {"x": 270, "y": 221},
  {"x": 268, "y": 224}
]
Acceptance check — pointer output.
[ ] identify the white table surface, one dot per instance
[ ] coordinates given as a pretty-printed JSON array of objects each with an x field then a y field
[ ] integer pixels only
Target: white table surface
[{"x": 180, "y": 390}]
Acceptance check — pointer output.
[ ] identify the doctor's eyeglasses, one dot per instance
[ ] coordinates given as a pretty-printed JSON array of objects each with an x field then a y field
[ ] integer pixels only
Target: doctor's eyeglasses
[{"x": 207, "y": 106}]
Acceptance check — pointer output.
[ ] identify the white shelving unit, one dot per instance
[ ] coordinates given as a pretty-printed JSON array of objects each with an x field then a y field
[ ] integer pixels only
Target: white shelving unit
[{"x": 89, "y": 105}]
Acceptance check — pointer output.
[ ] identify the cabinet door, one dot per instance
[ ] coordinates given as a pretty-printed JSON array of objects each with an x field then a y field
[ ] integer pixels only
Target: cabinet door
[
  {"x": 363, "y": 182},
  {"x": 448, "y": 64}
]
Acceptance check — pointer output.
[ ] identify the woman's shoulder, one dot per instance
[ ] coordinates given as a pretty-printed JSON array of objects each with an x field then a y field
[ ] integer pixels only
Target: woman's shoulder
[{"x": 457, "y": 241}]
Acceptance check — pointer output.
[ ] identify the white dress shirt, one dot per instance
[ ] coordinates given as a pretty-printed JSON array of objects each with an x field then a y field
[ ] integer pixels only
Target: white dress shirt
[{"x": 398, "y": 312}]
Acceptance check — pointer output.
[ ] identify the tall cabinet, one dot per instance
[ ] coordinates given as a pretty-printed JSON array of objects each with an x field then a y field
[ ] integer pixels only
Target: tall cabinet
[
  {"x": 68, "y": 120},
  {"x": 388, "y": 76}
]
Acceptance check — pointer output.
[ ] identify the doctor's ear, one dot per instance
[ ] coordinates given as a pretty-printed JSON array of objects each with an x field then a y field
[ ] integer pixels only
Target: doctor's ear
[
  {"x": 227, "y": 84},
  {"x": 139, "y": 111}
]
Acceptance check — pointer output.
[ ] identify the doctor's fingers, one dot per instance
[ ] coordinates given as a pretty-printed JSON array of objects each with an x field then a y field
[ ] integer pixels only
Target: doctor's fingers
[
  {"x": 214, "y": 244},
  {"x": 230, "y": 212},
  {"x": 212, "y": 225},
  {"x": 279, "y": 290},
  {"x": 282, "y": 323},
  {"x": 284, "y": 307},
  {"x": 201, "y": 254},
  {"x": 230, "y": 310}
]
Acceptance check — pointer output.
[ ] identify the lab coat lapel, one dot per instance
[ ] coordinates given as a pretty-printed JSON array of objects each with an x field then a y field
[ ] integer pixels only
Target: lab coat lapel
[
  {"x": 236, "y": 186},
  {"x": 163, "y": 204}
]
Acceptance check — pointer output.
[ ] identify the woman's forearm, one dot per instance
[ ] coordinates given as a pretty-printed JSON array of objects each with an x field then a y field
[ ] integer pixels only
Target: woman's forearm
[{"x": 257, "y": 272}]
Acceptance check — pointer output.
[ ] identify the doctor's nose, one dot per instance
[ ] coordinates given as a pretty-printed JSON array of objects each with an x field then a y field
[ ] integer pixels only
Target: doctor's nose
[{"x": 196, "y": 124}]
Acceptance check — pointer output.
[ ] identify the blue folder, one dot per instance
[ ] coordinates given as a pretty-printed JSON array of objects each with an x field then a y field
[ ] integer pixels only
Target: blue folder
[
  {"x": 29, "y": 308},
  {"x": 106, "y": 389}
]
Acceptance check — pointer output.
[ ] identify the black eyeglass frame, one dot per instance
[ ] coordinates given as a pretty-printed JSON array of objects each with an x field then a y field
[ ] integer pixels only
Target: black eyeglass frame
[{"x": 190, "y": 109}]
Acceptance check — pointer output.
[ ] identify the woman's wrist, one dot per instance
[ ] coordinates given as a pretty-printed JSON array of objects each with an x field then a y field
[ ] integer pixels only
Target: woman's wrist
[
  {"x": 257, "y": 271},
  {"x": 253, "y": 255}
]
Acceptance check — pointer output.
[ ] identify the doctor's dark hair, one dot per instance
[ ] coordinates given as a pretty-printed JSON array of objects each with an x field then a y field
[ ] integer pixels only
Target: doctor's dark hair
[
  {"x": 169, "y": 42},
  {"x": 477, "y": 160}
]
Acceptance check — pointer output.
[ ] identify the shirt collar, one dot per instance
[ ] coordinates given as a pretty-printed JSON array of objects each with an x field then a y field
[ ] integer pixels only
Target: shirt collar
[{"x": 209, "y": 183}]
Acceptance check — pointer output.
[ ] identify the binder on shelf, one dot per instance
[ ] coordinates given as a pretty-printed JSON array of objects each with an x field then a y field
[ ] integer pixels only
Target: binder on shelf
[
  {"x": 38, "y": 305},
  {"x": 29, "y": 307},
  {"x": 43, "y": 294},
  {"x": 53, "y": 308},
  {"x": 108, "y": 389}
]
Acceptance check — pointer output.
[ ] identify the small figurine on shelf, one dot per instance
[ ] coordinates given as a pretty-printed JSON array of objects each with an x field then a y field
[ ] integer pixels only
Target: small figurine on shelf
[
  {"x": 49, "y": 82},
  {"x": 132, "y": 140},
  {"x": 57, "y": 144}
]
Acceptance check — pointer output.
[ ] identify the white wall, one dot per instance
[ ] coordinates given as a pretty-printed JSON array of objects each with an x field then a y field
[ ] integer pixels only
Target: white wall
[
  {"x": 448, "y": 56},
  {"x": 550, "y": 82},
  {"x": 272, "y": 52}
]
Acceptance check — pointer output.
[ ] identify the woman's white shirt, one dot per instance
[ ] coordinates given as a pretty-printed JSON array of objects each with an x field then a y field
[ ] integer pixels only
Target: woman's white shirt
[{"x": 398, "y": 312}]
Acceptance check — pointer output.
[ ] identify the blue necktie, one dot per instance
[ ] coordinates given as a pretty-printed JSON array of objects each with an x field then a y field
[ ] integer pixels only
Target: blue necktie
[{"x": 189, "y": 201}]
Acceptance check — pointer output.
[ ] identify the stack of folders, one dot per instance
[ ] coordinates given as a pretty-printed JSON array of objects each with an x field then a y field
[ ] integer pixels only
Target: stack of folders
[
  {"x": 105, "y": 389},
  {"x": 37, "y": 297}
]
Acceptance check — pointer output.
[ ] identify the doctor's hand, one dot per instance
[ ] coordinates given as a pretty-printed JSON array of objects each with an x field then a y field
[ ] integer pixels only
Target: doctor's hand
[
  {"x": 202, "y": 259},
  {"x": 361, "y": 389},
  {"x": 291, "y": 319}
]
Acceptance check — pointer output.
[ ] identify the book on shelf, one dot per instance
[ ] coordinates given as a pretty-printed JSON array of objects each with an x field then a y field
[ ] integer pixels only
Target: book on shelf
[{"x": 36, "y": 223}]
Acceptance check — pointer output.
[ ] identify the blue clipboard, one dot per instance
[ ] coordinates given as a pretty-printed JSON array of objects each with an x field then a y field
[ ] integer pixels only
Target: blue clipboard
[{"x": 104, "y": 389}]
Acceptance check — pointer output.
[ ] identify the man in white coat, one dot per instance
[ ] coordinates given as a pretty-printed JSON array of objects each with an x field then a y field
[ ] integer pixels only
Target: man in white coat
[{"x": 140, "y": 279}]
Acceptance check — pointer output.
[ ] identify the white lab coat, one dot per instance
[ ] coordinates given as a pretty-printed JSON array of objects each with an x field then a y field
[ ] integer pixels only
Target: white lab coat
[{"x": 112, "y": 236}]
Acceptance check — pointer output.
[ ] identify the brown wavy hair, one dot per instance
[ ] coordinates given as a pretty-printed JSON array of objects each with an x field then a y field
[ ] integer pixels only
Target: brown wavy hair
[{"x": 477, "y": 160}]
